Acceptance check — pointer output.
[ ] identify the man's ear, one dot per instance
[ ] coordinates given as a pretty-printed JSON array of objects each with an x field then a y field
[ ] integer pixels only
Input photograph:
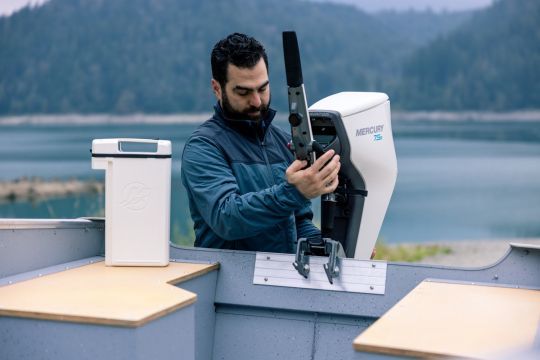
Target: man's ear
[{"x": 216, "y": 88}]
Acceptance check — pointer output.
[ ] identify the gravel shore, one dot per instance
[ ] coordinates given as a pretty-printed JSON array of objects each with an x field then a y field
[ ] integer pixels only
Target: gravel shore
[
  {"x": 36, "y": 188},
  {"x": 475, "y": 253}
]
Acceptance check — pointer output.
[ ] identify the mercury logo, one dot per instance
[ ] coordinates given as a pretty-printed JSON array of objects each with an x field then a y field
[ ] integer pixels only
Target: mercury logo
[
  {"x": 135, "y": 196},
  {"x": 369, "y": 130}
]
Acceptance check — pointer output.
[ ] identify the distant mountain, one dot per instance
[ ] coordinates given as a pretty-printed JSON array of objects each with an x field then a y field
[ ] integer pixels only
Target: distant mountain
[
  {"x": 492, "y": 62},
  {"x": 122, "y": 56},
  {"x": 152, "y": 56},
  {"x": 421, "y": 27}
]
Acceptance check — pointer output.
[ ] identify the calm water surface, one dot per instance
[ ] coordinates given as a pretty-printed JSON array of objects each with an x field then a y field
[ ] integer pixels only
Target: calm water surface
[{"x": 456, "y": 181}]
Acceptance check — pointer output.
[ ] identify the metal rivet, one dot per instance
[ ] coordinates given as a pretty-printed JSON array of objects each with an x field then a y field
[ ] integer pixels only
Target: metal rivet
[
  {"x": 268, "y": 258},
  {"x": 371, "y": 287},
  {"x": 265, "y": 279},
  {"x": 496, "y": 277},
  {"x": 372, "y": 265}
]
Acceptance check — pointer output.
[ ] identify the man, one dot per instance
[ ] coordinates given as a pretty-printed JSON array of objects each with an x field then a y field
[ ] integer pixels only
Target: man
[{"x": 243, "y": 191}]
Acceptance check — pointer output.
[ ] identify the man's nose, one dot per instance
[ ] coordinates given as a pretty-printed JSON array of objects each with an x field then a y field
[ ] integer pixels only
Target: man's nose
[{"x": 255, "y": 100}]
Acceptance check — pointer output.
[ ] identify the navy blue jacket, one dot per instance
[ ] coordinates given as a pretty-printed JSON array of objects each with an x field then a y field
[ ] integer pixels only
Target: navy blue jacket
[{"x": 234, "y": 174}]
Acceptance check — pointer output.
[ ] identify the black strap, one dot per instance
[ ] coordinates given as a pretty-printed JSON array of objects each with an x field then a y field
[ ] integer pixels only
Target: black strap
[
  {"x": 363, "y": 193},
  {"x": 138, "y": 156}
]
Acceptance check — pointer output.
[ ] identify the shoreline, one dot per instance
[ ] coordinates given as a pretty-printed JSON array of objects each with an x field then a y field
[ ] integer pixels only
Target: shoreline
[
  {"x": 532, "y": 116},
  {"x": 102, "y": 119},
  {"x": 38, "y": 188},
  {"x": 467, "y": 253}
]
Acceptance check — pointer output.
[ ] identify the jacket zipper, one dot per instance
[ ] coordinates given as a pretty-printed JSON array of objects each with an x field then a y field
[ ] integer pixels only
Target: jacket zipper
[{"x": 268, "y": 167}]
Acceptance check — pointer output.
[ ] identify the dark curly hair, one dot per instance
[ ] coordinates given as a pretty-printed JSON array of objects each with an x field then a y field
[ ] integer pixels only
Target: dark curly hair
[{"x": 238, "y": 49}]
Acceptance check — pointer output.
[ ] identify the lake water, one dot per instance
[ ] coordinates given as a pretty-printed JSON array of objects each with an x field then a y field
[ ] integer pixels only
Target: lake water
[{"x": 457, "y": 180}]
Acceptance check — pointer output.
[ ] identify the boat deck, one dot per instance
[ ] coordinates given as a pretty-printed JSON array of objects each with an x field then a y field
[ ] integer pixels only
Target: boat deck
[{"x": 58, "y": 300}]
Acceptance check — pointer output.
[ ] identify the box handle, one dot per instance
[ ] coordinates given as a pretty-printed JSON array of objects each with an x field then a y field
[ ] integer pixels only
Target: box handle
[{"x": 137, "y": 146}]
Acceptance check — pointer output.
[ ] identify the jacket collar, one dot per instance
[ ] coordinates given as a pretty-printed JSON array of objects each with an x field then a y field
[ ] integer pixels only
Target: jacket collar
[{"x": 249, "y": 128}]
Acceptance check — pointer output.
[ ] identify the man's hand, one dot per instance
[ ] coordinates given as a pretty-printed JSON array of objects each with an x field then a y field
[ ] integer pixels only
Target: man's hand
[{"x": 318, "y": 179}]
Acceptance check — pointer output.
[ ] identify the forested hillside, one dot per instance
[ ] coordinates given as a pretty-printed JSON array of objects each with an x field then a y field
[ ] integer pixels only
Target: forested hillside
[
  {"x": 491, "y": 62},
  {"x": 422, "y": 27},
  {"x": 125, "y": 56},
  {"x": 153, "y": 56}
]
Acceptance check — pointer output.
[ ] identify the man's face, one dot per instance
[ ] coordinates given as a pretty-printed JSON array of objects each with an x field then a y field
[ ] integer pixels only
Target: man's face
[{"x": 246, "y": 95}]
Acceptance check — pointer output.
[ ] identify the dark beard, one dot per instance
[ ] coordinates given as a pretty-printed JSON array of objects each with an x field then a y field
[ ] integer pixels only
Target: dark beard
[{"x": 233, "y": 114}]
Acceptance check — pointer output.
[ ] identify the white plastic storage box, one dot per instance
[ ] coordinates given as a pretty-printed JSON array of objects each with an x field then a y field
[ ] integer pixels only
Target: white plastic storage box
[{"x": 137, "y": 199}]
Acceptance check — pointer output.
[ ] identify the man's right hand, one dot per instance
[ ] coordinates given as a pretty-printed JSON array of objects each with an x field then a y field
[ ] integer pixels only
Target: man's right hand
[{"x": 318, "y": 179}]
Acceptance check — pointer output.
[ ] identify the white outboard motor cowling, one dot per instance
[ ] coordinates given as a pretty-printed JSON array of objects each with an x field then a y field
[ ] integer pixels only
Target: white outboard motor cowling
[{"x": 357, "y": 126}]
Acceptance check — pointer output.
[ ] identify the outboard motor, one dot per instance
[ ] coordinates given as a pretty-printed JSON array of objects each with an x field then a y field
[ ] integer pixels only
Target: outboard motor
[{"x": 357, "y": 126}]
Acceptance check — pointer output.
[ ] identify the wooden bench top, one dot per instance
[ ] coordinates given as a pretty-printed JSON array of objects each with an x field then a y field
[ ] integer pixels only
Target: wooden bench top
[
  {"x": 439, "y": 319},
  {"x": 99, "y": 294}
]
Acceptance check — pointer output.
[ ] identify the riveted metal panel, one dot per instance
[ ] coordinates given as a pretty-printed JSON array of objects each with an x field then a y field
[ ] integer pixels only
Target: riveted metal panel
[
  {"x": 27, "y": 245},
  {"x": 357, "y": 276}
]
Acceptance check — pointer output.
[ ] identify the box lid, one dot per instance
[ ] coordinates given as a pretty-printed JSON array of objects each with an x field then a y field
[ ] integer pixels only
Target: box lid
[{"x": 127, "y": 147}]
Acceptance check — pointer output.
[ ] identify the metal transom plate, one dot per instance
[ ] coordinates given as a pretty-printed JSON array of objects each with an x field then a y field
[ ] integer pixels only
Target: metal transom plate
[{"x": 358, "y": 276}]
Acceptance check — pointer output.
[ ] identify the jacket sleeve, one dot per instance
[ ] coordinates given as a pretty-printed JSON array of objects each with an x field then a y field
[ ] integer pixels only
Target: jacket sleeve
[
  {"x": 208, "y": 177},
  {"x": 304, "y": 224}
]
